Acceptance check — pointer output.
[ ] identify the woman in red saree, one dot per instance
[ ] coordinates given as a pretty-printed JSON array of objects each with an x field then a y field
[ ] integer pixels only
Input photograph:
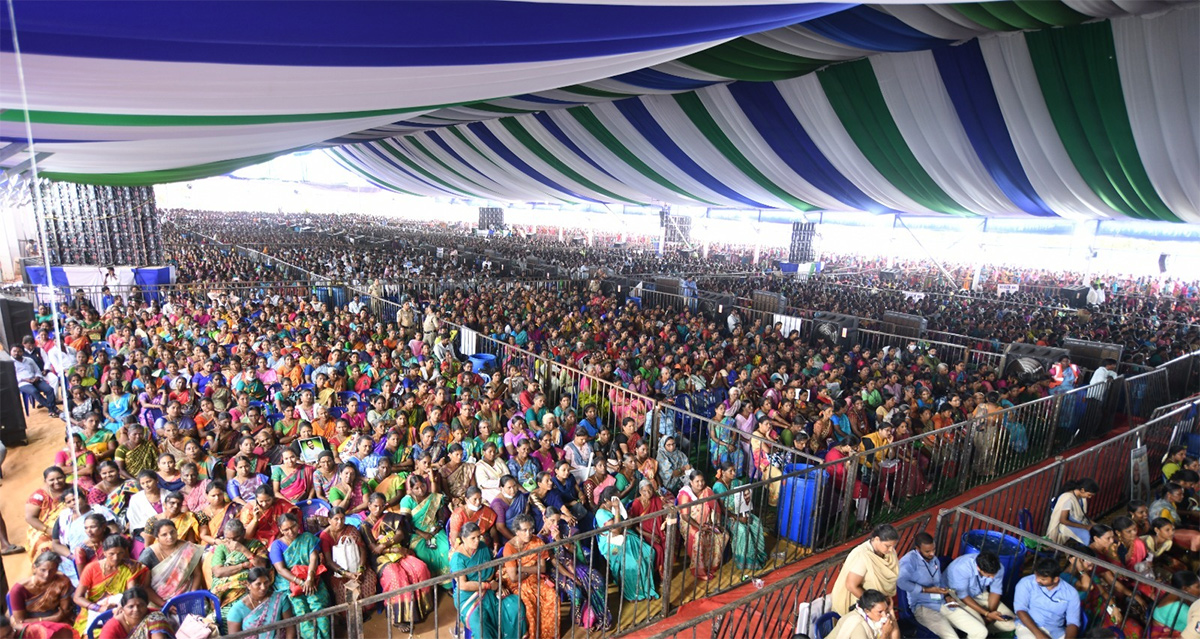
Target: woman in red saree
[
  {"x": 396, "y": 564},
  {"x": 292, "y": 480},
  {"x": 532, "y": 577},
  {"x": 653, "y": 530},
  {"x": 348, "y": 570},
  {"x": 474, "y": 510},
  {"x": 261, "y": 516},
  {"x": 700, "y": 525}
]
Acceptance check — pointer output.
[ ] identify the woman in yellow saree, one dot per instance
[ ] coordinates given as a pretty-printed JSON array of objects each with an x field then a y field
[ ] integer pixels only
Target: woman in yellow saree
[
  {"x": 102, "y": 582},
  {"x": 42, "y": 509}
]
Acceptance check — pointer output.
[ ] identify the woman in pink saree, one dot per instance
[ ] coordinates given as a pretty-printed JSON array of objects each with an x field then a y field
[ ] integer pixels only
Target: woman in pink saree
[
  {"x": 701, "y": 527},
  {"x": 174, "y": 564}
]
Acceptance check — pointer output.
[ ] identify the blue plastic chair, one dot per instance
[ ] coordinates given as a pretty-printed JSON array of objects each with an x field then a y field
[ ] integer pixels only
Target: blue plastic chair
[
  {"x": 825, "y": 623},
  {"x": 346, "y": 396},
  {"x": 93, "y": 630},
  {"x": 313, "y": 508},
  {"x": 336, "y": 412},
  {"x": 196, "y": 602},
  {"x": 308, "y": 387},
  {"x": 257, "y": 404},
  {"x": 26, "y": 403}
]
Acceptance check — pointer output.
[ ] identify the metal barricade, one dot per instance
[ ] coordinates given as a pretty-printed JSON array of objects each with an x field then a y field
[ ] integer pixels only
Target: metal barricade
[{"x": 1146, "y": 392}]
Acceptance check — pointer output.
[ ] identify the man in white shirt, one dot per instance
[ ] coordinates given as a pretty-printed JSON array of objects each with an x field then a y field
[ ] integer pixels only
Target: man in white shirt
[
  {"x": 31, "y": 382},
  {"x": 1107, "y": 371}
]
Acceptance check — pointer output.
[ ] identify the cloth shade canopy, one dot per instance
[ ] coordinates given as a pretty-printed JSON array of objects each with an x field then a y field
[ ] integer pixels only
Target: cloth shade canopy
[{"x": 894, "y": 106}]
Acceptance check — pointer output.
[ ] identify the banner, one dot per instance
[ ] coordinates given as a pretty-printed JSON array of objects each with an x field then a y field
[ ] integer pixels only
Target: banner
[
  {"x": 913, "y": 296},
  {"x": 1139, "y": 475},
  {"x": 1007, "y": 288}
]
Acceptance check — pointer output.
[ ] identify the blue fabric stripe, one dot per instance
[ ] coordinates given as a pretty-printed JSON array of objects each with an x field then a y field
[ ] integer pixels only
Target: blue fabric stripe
[
  {"x": 965, "y": 75},
  {"x": 470, "y": 173},
  {"x": 416, "y": 178},
  {"x": 866, "y": 28},
  {"x": 552, "y": 127},
  {"x": 641, "y": 119},
  {"x": 487, "y": 137},
  {"x": 378, "y": 34},
  {"x": 651, "y": 79},
  {"x": 772, "y": 117}
]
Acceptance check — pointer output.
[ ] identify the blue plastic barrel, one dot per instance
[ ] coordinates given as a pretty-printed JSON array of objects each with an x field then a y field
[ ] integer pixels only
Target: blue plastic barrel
[
  {"x": 1011, "y": 551},
  {"x": 799, "y": 505},
  {"x": 482, "y": 361}
]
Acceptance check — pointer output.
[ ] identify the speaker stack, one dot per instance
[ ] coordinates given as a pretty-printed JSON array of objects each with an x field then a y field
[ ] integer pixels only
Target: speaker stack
[
  {"x": 1028, "y": 362},
  {"x": 1074, "y": 296},
  {"x": 91, "y": 224},
  {"x": 491, "y": 218},
  {"x": 889, "y": 275},
  {"x": 12, "y": 411},
  {"x": 834, "y": 329},
  {"x": 15, "y": 316},
  {"x": 802, "y": 238},
  {"x": 1089, "y": 354},
  {"x": 679, "y": 229},
  {"x": 905, "y": 324},
  {"x": 768, "y": 302}
]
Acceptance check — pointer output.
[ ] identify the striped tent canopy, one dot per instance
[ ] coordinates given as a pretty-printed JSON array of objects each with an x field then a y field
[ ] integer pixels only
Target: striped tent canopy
[{"x": 949, "y": 108}]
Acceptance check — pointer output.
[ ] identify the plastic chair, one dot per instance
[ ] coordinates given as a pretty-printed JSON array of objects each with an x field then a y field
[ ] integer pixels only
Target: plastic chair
[
  {"x": 93, "y": 630},
  {"x": 196, "y": 602},
  {"x": 336, "y": 412},
  {"x": 308, "y": 387},
  {"x": 313, "y": 508},
  {"x": 257, "y": 404},
  {"x": 346, "y": 396},
  {"x": 825, "y": 623},
  {"x": 26, "y": 403}
]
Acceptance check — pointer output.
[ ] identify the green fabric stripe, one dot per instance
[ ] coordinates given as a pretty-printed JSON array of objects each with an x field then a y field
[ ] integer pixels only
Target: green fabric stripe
[
  {"x": 610, "y": 141},
  {"x": 699, "y": 115},
  {"x": 743, "y": 59},
  {"x": 416, "y": 141},
  {"x": 524, "y": 137},
  {"x": 399, "y": 155},
  {"x": 854, "y": 93},
  {"x": 493, "y": 108},
  {"x": 373, "y": 179},
  {"x": 583, "y": 89},
  {"x": 150, "y": 178},
  {"x": 508, "y": 170},
  {"x": 1078, "y": 74},
  {"x": 122, "y": 119},
  {"x": 1015, "y": 15}
]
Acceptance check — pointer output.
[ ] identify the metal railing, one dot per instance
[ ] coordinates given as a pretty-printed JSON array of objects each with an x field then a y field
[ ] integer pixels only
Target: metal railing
[{"x": 1146, "y": 392}]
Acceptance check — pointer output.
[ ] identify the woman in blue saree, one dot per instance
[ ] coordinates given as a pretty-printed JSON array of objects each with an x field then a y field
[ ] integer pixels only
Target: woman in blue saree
[
  {"x": 261, "y": 606},
  {"x": 630, "y": 558},
  {"x": 421, "y": 510},
  {"x": 488, "y": 611},
  {"x": 296, "y": 556}
]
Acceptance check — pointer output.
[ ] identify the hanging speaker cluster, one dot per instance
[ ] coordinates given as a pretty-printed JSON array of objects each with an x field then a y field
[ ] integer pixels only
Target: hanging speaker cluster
[
  {"x": 802, "y": 243},
  {"x": 91, "y": 224},
  {"x": 679, "y": 229},
  {"x": 491, "y": 218}
]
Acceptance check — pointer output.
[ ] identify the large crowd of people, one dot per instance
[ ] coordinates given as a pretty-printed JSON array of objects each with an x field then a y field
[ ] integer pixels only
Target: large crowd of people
[{"x": 283, "y": 451}]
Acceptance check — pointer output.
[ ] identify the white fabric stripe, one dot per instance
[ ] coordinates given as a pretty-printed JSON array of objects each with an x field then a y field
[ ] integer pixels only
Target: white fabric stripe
[
  {"x": 415, "y": 156},
  {"x": 1033, "y": 134},
  {"x": 497, "y": 169},
  {"x": 570, "y": 96},
  {"x": 915, "y": 96},
  {"x": 797, "y": 40},
  {"x": 1111, "y": 9},
  {"x": 682, "y": 70},
  {"x": 93, "y": 85},
  {"x": 617, "y": 86},
  {"x": 616, "y": 123},
  {"x": 537, "y": 164},
  {"x": 564, "y": 154},
  {"x": 613, "y": 163},
  {"x": 373, "y": 165},
  {"x": 940, "y": 22},
  {"x": 812, "y": 109},
  {"x": 130, "y": 156},
  {"x": 1157, "y": 59},
  {"x": 747, "y": 138},
  {"x": 502, "y": 190}
]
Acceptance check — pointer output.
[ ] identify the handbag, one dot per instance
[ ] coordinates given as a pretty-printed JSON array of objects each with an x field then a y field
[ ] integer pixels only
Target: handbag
[
  {"x": 194, "y": 627},
  {"x": 347, "y": 556}
]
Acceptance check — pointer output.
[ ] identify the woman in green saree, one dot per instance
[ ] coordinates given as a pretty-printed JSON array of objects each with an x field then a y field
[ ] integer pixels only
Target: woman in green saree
[
  {"x": 745, "y": 528},
  {"x": 296, "y": 556},
  {"x": 232, "y": 558},
  {"x": 485, "y": 609},
  {"x": 422, "y": 512},
  {"x": 630, "y": 558}
]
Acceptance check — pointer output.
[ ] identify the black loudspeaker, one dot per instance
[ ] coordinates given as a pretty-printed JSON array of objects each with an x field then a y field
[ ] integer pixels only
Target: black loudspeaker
[
  {"x": 15, "y": 316},
  {"x": 768, "y": 302},
  {"x": 1074, "y": 296},
  {"x": 889, "y": 275},
  {"x": 834, "y": 329},
  {"x": 904, "y": 324},
  {"x": 1029, "y": 362},
  {"x": 1164, "y": 262},
  {"x": 802, "y": 249},
  {"x": 491, "y": 218},
  {"x": 12, "y": 412},
  {"x": 1089, "y": 354},
  {"x": 671, "y": 285}
]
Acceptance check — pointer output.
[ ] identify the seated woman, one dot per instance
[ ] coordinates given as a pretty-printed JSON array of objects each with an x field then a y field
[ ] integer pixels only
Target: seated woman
[
  {"x": 44, "y": 597},
  {"x": 531, "y": 577},
  {"x": 77, "y": 461},
  {"x": 169, "y": 478},
  {"x": 195, "y": 487},
  {"x": 261, "y": 516},
  {"x": 1170, "y": 616},
  {"x": 745, "y": 527},
  {"x": 701, "y": 527},
  {"x": 349, "y": 572},
  {"x": 102, "y": 582},
  {"x": 1168, "y": 507},
  {"x": 187, "y": 524},
  {"x": 396, "y": 565},
  {"x": 654, "y": 529},
  {"x": 480, "y": 609},
  {"x": 112, "y": 490},
  {"x": 262, "y": 605},
  {"x": 421, "y": 510},
  {"x": 629, "y": 558},
  {"x": 133, "y": 619},
  {"x": 217, "y": 512},
  {"x": 174, "y": 563},
  {"x": 292, "y": 480},
  {"x": 296, "y": 556},
  {"x": 457, "y": 475},
  {"x": 233, "y": 555},
  {"x": 1069, "y": 519},
  {"x": 42, "y": 509},
  {"x": 350, "y": 491},
  {"x": 583, "y": 585},
  {"x": 144, "y": 508},
  {"x": 473, "y": 510},
  {"x": 244, "y": 481},
  {"x": 872, "y": 619}
]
